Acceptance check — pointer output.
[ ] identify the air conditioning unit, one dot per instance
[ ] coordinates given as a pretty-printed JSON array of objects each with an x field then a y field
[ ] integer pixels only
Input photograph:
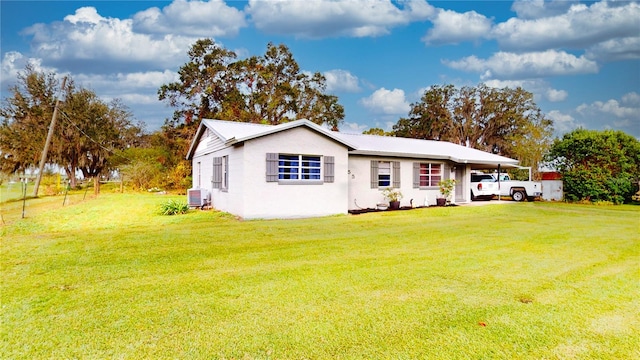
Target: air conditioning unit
[{"x": 198, "y": 197}]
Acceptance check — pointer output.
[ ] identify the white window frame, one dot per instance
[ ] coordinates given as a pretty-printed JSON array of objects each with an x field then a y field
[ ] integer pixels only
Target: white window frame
[
  {"x": 429, "y": 177},
  {"x": 385, "y": 174},
  {"x": 199, "y": 175},
  {"x": 225, "y": 173},
  {"x": 303, "y": 168}
]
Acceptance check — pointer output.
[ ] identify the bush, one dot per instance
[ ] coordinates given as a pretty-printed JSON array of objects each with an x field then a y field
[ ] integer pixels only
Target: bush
[
  {"x": 174, "y": 207},
  {"x": 597, "y": 165}
]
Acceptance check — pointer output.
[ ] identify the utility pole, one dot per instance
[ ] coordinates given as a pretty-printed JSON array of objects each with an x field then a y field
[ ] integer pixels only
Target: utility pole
[{"x": 43, "y": 158}]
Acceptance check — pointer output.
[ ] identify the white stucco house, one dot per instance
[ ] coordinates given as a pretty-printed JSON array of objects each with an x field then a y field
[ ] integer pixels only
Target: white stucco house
[{"x": 300, "y": 169}]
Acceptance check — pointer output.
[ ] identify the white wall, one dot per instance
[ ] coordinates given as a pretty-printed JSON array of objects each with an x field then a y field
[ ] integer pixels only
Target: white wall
[
  {"x": 362, "y": 196},
  {"x": 264, "y": 199},
  {"x": 228, "y": 200},
  {"x": 249, "y": 195}
]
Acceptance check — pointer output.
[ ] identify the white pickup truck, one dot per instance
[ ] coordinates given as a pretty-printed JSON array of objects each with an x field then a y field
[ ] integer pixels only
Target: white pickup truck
[
  {"x": 518, "y": 190},
  {"x": 486, "y": 186}
]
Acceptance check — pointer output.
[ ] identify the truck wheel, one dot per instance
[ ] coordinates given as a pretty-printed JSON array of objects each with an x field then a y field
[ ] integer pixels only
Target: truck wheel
[{"x": 518, "y": 195}]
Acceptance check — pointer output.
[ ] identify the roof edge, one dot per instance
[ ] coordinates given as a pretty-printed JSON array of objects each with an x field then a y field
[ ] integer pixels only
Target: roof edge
[{"x": 292, "y": 125}]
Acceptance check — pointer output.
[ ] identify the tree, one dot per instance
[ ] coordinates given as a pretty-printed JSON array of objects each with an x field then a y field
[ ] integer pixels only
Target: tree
[
  {"x": 499, "y": 121},
  {"x": 25, "y": 120},
  {"x": 87, "y": 133},
  {"x": 267, "y": 89},
  {"x": 205, "y": 83},
  {"x": 378, "y": 132},
  {"x": 597, "y": 165}
]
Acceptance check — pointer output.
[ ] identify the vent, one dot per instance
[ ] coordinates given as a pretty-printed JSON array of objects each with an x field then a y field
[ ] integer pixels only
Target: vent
[{"x": 198, "y": 197}]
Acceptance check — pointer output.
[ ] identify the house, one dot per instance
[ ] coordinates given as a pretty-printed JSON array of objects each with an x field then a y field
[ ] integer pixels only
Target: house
[{"x": 300, "y": 169}]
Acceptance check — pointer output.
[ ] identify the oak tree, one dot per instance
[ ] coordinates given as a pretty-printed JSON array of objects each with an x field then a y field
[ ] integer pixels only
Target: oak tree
[
  {"x": 267, "y": 89},
  {"x": 87, "y": 133},
  {"x": 501, "y": 121}
]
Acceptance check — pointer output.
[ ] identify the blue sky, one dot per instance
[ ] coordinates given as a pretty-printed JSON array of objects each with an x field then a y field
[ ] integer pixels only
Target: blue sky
[{"x": 581, "y": 60}]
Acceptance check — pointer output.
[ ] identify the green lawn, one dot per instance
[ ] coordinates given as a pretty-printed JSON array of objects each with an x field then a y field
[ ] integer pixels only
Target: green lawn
[{"x": 109, "y": 278}]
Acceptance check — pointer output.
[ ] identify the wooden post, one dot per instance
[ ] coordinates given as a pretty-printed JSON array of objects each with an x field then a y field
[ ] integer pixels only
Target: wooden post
[{"x": 43, "y": 158}]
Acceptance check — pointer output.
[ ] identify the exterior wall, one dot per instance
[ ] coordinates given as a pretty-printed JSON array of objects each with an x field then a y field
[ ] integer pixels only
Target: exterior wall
[
  {"x": 362, "y": 196},
  {"x": 552, "y": 190},
  {"x": 264, "y": 199},
  {"x": 228, "y": 200}
]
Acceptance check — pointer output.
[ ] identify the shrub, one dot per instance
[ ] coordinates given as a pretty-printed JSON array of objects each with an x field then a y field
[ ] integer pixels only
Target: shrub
[{"x": 174, "y": 207}]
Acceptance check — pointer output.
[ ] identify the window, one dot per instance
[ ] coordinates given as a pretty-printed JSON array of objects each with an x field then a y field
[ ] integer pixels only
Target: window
[
  {"x": 225, "y": 172},
  {"x": 427, "y": 174},
  {"x": 220, "y": 178},
  {"x": 385, "y": 174},
  {"x": 299, "y": 167},
  {"x": 292, "y": 169},
  {"x": 199, "y": 175}
]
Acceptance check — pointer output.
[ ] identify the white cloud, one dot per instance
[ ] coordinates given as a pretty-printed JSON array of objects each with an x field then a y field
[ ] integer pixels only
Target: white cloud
[
  {"x": 193, "y": 18},
  {"x": 538, "y": 87},
  {"x": 554, "y": 95},
  {"x": 616, "y": 49},
  {"x": 563, "y": 123},
  {"x": 14, "y": 62},
  {"x": 387, "y": 101},
  {"x": 624, "y": 113},
  {"x": 127, "y": 82},
  {"x": 610, "y": 107},
  {"x": 581, "y": 26},
  {"x": 631, "y": 99},
  {"x": 353, "y": 128},
  {"x": 341, "y": 80},
  {"x": 86, "y": 41},
  {"x": 326, "y": 18},
  {"x": 534, "y": 9},
  {"x": 505, "y": 65},
  {"x": 452, "y": 27}
]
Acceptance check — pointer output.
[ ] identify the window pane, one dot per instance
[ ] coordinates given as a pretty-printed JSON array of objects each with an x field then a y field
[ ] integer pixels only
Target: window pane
[
  {"x": 384, "y": 180},
  {"x": 299, "y": 167}
]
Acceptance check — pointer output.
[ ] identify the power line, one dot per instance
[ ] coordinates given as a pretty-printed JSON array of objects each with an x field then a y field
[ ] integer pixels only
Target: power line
[{"x": 68, "y": 119}]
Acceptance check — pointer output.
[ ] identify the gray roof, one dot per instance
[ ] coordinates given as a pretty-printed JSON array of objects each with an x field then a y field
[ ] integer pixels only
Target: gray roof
[{"x": 232, "y": 132}]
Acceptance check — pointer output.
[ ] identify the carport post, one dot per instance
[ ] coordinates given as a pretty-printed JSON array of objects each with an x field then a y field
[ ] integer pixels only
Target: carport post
[{"x": 499, "y": 192}]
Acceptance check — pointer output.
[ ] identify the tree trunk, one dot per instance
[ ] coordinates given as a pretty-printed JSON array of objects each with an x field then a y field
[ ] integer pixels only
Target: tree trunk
[
  {"x": 71, "y": 175},
  {"x": 96, "y": 185}
]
